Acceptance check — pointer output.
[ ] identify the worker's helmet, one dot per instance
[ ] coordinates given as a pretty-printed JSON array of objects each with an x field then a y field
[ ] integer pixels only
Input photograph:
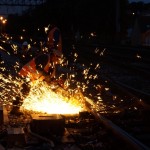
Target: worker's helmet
[{"x": 25, "y": 43}]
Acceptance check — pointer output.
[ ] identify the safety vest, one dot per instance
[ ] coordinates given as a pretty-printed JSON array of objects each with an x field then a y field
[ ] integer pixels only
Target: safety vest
[
  {"x": 29, "y": 70},
  {"x": 51, "y": 40}
]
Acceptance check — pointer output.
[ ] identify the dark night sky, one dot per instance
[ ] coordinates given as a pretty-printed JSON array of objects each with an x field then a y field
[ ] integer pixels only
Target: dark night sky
[
  {"x": 15, "y": 9},
  {"x": 145, "y": 1}
]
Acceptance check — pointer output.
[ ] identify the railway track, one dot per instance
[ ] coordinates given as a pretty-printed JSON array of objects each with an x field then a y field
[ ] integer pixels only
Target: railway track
[
  {"x": 87, "y": 130},
  {"x": 123, "y": 67},
  {"x": 123, "y": 123},
  {"x": 124, "y": 87}
]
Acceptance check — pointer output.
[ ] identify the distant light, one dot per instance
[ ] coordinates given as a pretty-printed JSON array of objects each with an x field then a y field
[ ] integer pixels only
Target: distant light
[
  {"x": 133, "y": 13},
  {"x": 21, "y": 37},
  {"x": 93, "y": 34},
  {"x": 138, "y": 56},
  {"x": 1, "y": 18},
  {"x": 4, "y": 21}
]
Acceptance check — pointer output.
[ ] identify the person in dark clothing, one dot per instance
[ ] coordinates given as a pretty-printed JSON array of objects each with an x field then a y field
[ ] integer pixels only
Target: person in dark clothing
[
  {"x": 42, "y": 65},
  {"x": 54, "y": 39},
  {"x": 27, "y": 53},
  {"x": 42, "y": 68}
]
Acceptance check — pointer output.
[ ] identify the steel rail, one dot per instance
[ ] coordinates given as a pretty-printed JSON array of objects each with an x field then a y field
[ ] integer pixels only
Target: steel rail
[
  {"x": 132, "y": 92},
  {"x": 119, "y": 133},
  {"x": 127, "y": 65}
]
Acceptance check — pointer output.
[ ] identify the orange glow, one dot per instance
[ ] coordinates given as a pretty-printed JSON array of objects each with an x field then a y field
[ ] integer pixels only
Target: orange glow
[
  {"x": 4, "y": 21},
  {"x": 1, "y": 18},
  {"x": 43, "y": 99}
]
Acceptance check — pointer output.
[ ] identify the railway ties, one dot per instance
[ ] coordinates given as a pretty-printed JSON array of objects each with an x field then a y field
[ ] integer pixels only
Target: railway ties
[
  {"x": 126, "y": 110},
  {"x": 87, "y": 130}
]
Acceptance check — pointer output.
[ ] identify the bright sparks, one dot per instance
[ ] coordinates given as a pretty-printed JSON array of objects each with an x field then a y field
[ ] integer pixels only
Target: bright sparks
[
  {"x": 9, "y": 89},
  {"x": 43, "y": 99}
]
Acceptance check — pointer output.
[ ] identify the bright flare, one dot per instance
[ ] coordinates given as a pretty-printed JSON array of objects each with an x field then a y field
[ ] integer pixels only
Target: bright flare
[{"x": 43, "y": 99}]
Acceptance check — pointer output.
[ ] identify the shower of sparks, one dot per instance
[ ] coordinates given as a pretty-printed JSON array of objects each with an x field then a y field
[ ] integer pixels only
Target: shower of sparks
[
  {"x": 101, "y": 53},
  {"x": 15, "y": 48},
  {"x": 9, "y": 89},
  {"x": 42, "y": 98}
]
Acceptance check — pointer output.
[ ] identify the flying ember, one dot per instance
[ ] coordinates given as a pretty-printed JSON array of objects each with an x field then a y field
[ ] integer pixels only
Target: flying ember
[{"x": 42, "y": 97}]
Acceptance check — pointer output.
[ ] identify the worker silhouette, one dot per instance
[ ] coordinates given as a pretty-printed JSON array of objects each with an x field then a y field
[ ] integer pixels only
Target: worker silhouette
[
  {"x": 42, "y": 67},
  {"x": 54, "y": 39}
]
